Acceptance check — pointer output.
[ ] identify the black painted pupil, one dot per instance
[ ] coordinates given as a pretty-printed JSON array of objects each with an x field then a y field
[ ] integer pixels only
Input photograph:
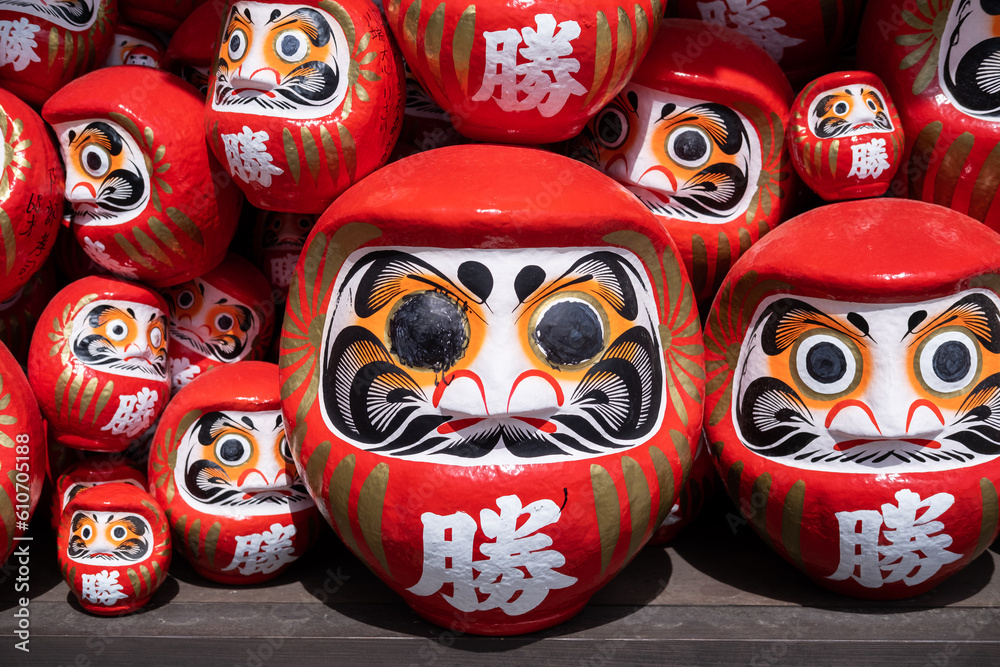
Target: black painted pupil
[
  {"x": 225, "y": 322},
  {"x": 118, "y": 330},
  {"x": 840, "y": 108},
  {"x": 951, "y": 361},
  {"x": 991, "y": 7},
  {"x": 185, "y": 300},
  {"x": 610, "y": 128},
  {"x": 94, "y": 161},
  {"x": 569, "y": 333},
  {"x": 231, "y": 450},
  {"x": 826, "y": 363},
  {"x": 429, "y": 331},
  {"x": 289, "y": 45},
  {"x": 118, "y": 532},
  {"x": 872, "y": 105},
  {"x": 85, "y": 533},
  {"x": 235, "y": 43},
  {"x": 690, "y": 146}
]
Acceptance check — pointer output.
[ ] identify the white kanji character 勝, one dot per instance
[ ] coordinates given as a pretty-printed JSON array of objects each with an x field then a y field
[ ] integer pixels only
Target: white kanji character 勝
[
  {"x": 264, "y": 552},
  {"x": 916, "y": 547},
  {"x": 514, "y": 551},
  {"x": 135, "y": 413},
  {"x": 248, "y": 157},
  {"x": 869, "y": 160},
  {"x": 98, "y": 253},
  {"x": 545, "y": 81},
  {"x": 753, "y": 19},
  {"x": 17, "y": 43},
  {"x": 102, "y": 588},
  {"x": 182, "y": 371}
]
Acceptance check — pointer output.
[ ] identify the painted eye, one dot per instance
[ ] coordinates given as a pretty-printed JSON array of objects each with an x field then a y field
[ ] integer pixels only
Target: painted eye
[
  {"x": 155, "y": 337},
  {"x": 285, "y": 449},
  {"x": 428, "y": 330},
  {"x": 117, "y": 330},
  {"x": 237, "y": 47},
  {"x": 840, "y": 108},
  {"x": 224, "y": 322},
  {"x": 305, "y": 223},
  {"x": 119, "y": 533},
  {"x": 569, "y": 332},
  {"x": 612, "y": 128},
  {"x": 292, "y": 46},
  {"x": 689, "y": 146},
  {"x": 95, "y": 161},
  {"x": 185, "y": 299},
  {"x": 86, "y": 533},
  {"x": 826, "y": 365},
  {"x": 948, "y": 362},
  {"x": 991, "y": 7},
  {"x": 233, "y": 450},
  {"x": 872, "y": 105}
]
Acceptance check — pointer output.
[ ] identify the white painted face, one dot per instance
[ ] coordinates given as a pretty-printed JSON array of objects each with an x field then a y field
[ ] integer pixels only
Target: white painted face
[
  {"x": 847, "y": 111},
  {"x": 212, "y": 323},
  {"x": 106, "y": 178},
  {"x": 239, "y": 463},
  {"x": 969, "y": 62},
  {"x": 109, "y": 538},
  {"x": 75, "y": 15},
  {"x": 861, "y": 387},
  {"x": 285, "y": 61},
  {"x": 121, "y": 338},
  {"x": 488, "y": 357},
  {"x": 683, "y": 158}
]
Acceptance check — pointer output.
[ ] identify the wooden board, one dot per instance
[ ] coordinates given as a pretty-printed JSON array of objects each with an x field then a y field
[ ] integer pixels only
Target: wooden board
[{"x": 716, "y": 595}]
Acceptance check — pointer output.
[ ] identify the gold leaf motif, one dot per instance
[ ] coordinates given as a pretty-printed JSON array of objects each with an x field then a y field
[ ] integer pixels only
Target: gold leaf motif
[
  {"x": 433, "y": 33},
  {"x": 338, "y": 493},
  {"x": 985, "y": 189},
  {"x": 640, "y": 503},
  {"x": 186, "y": 225},
  {"x": 291, "y": 154},
  {"x": 951, "y": 169},
  {"x": 665, "y": 476},
  {"x": 602, "y": 57},
  {"x": 212, "y": 541},
  {"x": 461, "y": 45},
  {"x": 608, "y": 513},
  {"x": 991, "y": 515},
  {"x": 371, "y": 501},
  {"x": 194, "y": 537},
  {"x": 311, "y": 152},
  {"x": 791, "y": 521}
]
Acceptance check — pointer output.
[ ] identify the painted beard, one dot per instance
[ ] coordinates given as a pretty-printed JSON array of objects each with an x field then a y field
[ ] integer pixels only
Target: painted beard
[
  {"x": 72, "y": 14},
  {"x": 596, "y": 366},
  {"x": 107, "y": 537},
  {"x": 226, "y": 347},
  {"x": 97, "y": 346},
  {"x": 969, "y": 67},
  {"x": 936, "y": 356},
  {"x": 279, "y": 42}
]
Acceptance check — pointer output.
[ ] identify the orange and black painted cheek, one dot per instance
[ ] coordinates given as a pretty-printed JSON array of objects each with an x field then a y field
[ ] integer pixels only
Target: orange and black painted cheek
[
  {"x": 156, "y": 337},
  {"x": 128, "y": 537},
  {"x": 110, "y": 331}
]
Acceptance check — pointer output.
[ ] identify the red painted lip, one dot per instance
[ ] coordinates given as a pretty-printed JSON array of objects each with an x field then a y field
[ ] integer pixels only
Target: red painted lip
[
  {"x": 101, "y": 553},
  {"x": 457, "y": 425},
  {"x": 851, "y": 444},
  {"x": 239, "y": 92}
]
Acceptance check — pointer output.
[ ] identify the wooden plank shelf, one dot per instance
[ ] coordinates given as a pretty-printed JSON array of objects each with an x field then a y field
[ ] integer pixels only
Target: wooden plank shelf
[{"x": 716, "y": 595}]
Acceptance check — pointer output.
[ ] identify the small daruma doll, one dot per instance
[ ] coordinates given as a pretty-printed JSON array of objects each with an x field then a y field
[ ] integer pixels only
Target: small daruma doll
[
  {"x": 854, "y": 419},
  {"x": 49, "y": 43},
  {"x": 31, "y": 194},
  {"x": 305, "y": 99},
  {"x": 222, "y": 468},
  {"x": 140, "y": 178},
  {"x": 277, "y": 243},
  {"x": 22, "y": 453},
  {"x": 526, "y": 73},
  {"x": 114, "y": 548},
  {"x": 494, "y": 366},
  {"x": 845, "y": 136},
  {"x": 135, "y": 46},
  {"x": 224, "y": 316},
  {"x": 98, "y": 362},
  {"x": 701, "y": 143}
]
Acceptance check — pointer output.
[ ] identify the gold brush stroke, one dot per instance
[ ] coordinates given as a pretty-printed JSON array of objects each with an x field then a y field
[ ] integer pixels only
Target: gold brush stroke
[
  {"x": 88, "y": 396},
  {"x": 311, "y": 151},
  {"x": 608, "y": 511},
  {"x": 339, "y": 492},
  {"x": 834, "y": 153},
  {"x": 733, "y": 481},
  {"x": 723, "y": 259},
  {"x": 991, "y": 515},
  {"x": 791, "y": 521},
  {"x": 640, "y": 503},
  {"x": 316, "y": 467},
  {"x": 433, "y": 32},
  {"x": 149, "y": 245},
  {"x": 951, "y": 169},
  {"x": 645, "y": 251},
  {"x": 330, "y": 150},
  {"x": 186, "y": 225},
  {"x": 134, "y": 578},
  {"x": 74, "y": 389},
  {"x": 291, "y": 155},
  {"x": 602, "y": 57},
  {"x": 212, "y": 542},
  {"x": 145, "y": 576},
  {"x": 623, "y": 48},
  {"x": 683, "y": 447},
  {"x": 132, "y": 252},
  {"x": 665, "y": 476},
  {"x": 987, "y": 183},
  {"x": 371, "y": 502},
  {"x": 9, "y": 241},
  {"x": 461, "y": 46},
  {"x": 350, "y": 151},
  {"x": 410, "y": 24},
  {"x": 102, "y": 400},
  {"x": 166, "y": 237},
  {"x": 194, "y": 536},
  {"x": 923, "y": 146},
  {"x": 53, "y": 46}
]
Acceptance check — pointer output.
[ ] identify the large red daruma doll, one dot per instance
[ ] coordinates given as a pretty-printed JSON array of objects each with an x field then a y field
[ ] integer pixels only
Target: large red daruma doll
[
  {"x": 935, "y": 59},
  {"x": 699, "y": 138},
  {"x": 150, "y": 203},
  {"x": 854, "y": 408},
  {"x": 523, "y": 73},
  {"x": 304, "y": 99},
  {"x": 491, "y": 363},
  {"x": 48, "y": 44}
]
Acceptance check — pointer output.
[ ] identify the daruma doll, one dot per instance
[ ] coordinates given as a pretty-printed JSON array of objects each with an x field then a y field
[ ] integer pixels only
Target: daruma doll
[
  {"x": 853, "y": 416},
  {"x": 526, "y": 73},
  {"x": 491, "y": 362}
]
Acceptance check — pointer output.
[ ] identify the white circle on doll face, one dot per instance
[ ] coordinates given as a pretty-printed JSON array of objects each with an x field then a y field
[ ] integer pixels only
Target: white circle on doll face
[
  {"x": 109, "y": 538},
  {"x": 847, "y": 111},
  {"x": 233, "y": 463},
  {"x": 121, "y": 338},
  {"x": 106, "y": 178},
  {"x": 969, "y": 60},
  {"x": 281, "y": 61},
  {"x": 73, "y": 15},
  {"x": 856, "y": 387}
]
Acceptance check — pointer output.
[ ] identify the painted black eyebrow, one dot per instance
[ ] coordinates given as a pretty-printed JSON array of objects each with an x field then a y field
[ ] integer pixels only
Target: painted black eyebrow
[
  {"x": 249, "y": 422},
  {"x": 278, "y": 423},
  {"x": 131, "y": 313},
  {"x": 615, "y": 275},
  {"x": 312, "y": 18},
  {"x": 984, "y": 324},
  {"x": 210, "y": 422},
  {"x": 789, "y": 312}
]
